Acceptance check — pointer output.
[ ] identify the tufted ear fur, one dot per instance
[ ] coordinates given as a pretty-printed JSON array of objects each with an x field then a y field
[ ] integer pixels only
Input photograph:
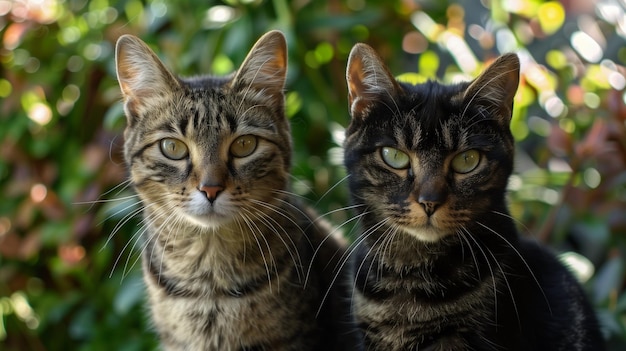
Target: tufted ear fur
[
  {"x": 495, "y": 88},
  {"x": 265, "y": 67},
  {"x": 141, "y": 75},
  {"x": 369, "y": 80}
]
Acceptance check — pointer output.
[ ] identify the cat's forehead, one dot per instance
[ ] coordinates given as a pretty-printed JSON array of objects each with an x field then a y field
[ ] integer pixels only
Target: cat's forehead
[
  {"x": 428, "y": 117},
  {"x": 200, "y": 112}
]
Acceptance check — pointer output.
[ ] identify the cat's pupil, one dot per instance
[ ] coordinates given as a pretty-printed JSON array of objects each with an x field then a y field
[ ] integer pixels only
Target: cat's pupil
[
  {"x": 395, "y": 158},
  {"x": 173, "y": 148},
  {"x": 466, "y": 162},
  {"x": 244, "y": 146}
]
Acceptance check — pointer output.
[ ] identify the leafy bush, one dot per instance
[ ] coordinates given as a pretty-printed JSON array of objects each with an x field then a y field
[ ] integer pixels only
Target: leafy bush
[{"x": 69, "y": 276}]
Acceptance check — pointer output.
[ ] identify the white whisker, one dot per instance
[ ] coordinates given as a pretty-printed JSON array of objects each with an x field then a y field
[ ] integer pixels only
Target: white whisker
[{"x": 523, "y": 261}]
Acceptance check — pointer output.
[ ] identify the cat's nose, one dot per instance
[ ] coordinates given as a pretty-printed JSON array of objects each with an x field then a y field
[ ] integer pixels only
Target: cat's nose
[
  {"x": 429, "y": 207},
  {"x": 432, "y": 195},
  {"x": 431, "y": 201},
  {"x": 211, "y": 191}
]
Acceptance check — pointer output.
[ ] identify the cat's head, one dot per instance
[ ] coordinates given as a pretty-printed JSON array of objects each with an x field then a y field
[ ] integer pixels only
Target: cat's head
[
  {"x": 208, "y": 151},
  {"x": 429, "y": 160}
]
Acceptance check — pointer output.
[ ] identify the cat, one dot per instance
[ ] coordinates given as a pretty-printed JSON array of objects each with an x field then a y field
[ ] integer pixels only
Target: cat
[
  {"x": 231, "y": 261},
  {"x": 438, "y": 263}
]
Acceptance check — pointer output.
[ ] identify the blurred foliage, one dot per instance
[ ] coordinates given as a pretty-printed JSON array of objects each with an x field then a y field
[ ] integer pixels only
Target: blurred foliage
[{"x": 67, "y": 283}]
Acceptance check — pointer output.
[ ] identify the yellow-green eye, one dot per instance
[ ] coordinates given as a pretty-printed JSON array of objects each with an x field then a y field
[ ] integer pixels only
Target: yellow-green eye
[
  {"x": 466, "y": 161},
  {"x": 394, "y": 158},
  {"x": 174, "y": 149},
  {"x": 243, "y": 146}
]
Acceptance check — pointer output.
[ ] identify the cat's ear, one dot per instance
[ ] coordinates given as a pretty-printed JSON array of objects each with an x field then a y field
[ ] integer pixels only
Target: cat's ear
[
  {"x": 495, "y": 88},
  {"x": 140, "y": 73},
  {"x": 265, "y": 67},
  {"x": 369, "y": 80}
]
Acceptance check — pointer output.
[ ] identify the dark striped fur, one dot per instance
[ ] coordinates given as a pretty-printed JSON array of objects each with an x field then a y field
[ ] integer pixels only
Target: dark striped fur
[
  {"x": 439, "y": 264},
  {"x": 231, "y": 261}
]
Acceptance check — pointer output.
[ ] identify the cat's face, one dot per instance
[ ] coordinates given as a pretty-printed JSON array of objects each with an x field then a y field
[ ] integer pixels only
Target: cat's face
[
  {"x": 428, "y": 160},
  {"x": 206, "y": 151}
]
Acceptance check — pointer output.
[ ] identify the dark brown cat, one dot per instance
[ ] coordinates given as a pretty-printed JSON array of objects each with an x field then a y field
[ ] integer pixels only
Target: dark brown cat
[
  {"x": 439, "y": 263},
  {"x": 230, "y": 260}
]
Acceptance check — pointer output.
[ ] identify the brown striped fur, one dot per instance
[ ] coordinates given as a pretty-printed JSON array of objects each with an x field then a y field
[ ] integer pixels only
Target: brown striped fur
[{"x": 231, "y": 261}]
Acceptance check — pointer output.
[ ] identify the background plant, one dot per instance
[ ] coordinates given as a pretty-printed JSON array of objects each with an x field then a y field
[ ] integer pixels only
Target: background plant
[{"x": 67, "y": 283}]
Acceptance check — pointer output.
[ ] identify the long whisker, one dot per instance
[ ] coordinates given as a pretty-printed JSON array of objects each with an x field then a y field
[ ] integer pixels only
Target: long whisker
[
  {"x": 134, "y": 238},
  {"x": 523, "y": 261},
  {"x": 344, "y": 259},
  {"x": 523, "y": 225},
  {"x": 125, "y": 219},
  {"x": 384, "y": 237},
  {"x": 155, "y": 233},
  {"x": 121, "y": 186},
  {"x": 333, "y": 232},
  {"x": 332, "y": 188},
  {"x": 254, "y": 229},
  {"x": 273, "y": 224},
  {"x": 491, "y": 272}
]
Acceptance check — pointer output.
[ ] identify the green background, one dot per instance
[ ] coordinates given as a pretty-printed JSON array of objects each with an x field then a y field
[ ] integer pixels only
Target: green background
[{"x": 69, "y": 272}]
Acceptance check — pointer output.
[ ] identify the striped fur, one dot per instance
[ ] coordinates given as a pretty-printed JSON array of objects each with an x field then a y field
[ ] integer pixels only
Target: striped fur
[
  {"x": 439, "y": 264},
  {"x": 230, "y": 260}
]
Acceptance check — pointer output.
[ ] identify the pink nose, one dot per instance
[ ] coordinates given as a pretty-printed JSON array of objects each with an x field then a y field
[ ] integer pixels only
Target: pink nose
[{"x": 211, "y": 191}]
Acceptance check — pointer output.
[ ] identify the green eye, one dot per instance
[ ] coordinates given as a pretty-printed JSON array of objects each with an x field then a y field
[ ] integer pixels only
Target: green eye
[
  {"x": 174, "y": 149},
  {"x": 243, "y": 146},
  {"x": 466, "y": 161},
  {"x": 394, "y": 158}
]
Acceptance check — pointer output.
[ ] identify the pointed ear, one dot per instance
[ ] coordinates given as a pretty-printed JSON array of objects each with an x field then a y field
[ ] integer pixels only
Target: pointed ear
[
  {"x": 495, "y": 88},
  {"x": 369, "y": 80},
  {"x": 140, "y": 73},
  {"x": 265, "y": 67}
]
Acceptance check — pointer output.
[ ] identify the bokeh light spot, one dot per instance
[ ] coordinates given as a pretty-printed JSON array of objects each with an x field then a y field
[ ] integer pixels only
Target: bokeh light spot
[
  {"x": 38, "y": 193},
  {"x": 592, "y": 178},
  {"x": 414, "y": 43},
  {"x": 592, "y": 100},
  {"x": 5, "y": 88},
  {"x": 586, "y": 47},
  {"x": 617, "y": 80},
  {"x": 218, "y": 16},
  {"x": 75, "y": 63},
  {"x": 69, "y": 35},
  {"x": 551, "y": 16},
  {"x": 40, "y": 113},
  {"x": 554, "y": 106},
  {"x": 92, "y": 52},
  {"x": 71, "y": 93},
  {"x": 324, "y": 52}
]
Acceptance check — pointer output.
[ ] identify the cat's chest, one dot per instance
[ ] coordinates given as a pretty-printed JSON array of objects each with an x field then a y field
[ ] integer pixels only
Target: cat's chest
[
  {"x": 230, "y": 320},
  {"x": 210, "y": 323}
]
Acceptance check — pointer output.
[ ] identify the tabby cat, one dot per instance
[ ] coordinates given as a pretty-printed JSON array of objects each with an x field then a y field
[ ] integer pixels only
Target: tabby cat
[
  {"x": 230, "y": 260},
  {"x": 439, "y": 264}
]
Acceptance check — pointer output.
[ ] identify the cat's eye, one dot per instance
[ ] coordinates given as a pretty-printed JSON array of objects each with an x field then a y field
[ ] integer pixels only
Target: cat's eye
[
  {"x": 174, "y": 149},
  {"x": 466, "y": 161},
  {"x": 243, "y": 146},
  {"x": 395, "y": 158}
]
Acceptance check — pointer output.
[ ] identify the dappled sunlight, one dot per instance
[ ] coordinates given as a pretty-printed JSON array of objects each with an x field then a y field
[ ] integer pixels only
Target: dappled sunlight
[{"x": 63, "y": 182}]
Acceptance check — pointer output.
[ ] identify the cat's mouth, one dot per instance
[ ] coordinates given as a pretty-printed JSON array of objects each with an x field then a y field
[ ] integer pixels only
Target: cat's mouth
[
  {"x": 426, "y": 233},
  {"x": 211, "y": 220},
  {"x": 208, "y": 214}
]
